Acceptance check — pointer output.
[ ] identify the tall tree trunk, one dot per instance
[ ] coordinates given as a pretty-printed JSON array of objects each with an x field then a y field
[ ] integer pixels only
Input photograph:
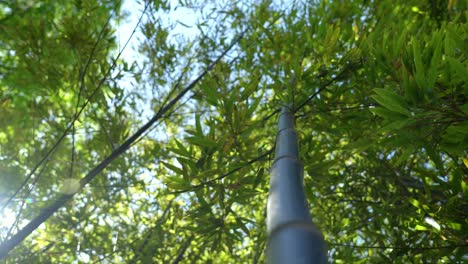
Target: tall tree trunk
[{"x": 292, "y": 238}]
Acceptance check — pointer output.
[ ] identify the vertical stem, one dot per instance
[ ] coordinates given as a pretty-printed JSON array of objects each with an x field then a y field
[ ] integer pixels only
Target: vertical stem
[{"x": 292, "y": 238}]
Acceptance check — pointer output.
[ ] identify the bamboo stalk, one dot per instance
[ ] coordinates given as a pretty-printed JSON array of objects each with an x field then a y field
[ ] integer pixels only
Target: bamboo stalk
[{"x": 292, "y": 237}]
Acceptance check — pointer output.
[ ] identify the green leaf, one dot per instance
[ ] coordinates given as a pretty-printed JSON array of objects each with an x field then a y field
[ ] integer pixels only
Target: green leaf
[
  {"x": 419, "y": 67},
  {"x": 458, "y": 41},
  {"x": 203, "y": 202},
  {"x": 175, "y": 169},
  {"x": 464, "y": 108},
  {"x": 412, "y": 91},
  {"x": 435, "y": 158},
  {"x": 435, "y": 61},
  {"x": 242, "y": 226},
  {"x": 453, "y": 225},
  {"x": 269, "y": 35},
  {"x": 391, "y": 101},
  {"x": 181, "y": 150},
  {"x": 176, "y": 183},
  {"x": 253, "y": 106},
  {"x": 201, "y": 141},
  {"x": 208, "y": 89},
  {"x": 459, "y": 70},
  {"x": 398, "y": 45},
  {"x": 177, "y": 151},
  {"x": 315, "y": 169},
  {"x": 414, "y": 202},
  {"x": 405, "y": 155},
  {"x": 386, "y": 114},
  {"x": 188, "y": 162},
  {"x": 420, "y": 228},
  {"x": 248, "y": 91},
  {"x": 394, "y": 125},
  {"x": 259, "y": 177},
  {"x": 198, "y": 125}
]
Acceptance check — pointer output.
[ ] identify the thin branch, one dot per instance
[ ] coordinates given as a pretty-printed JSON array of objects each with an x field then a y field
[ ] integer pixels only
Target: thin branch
[
  {"x": 396, "y": 247},
  {"x": 340, "y": 109}
]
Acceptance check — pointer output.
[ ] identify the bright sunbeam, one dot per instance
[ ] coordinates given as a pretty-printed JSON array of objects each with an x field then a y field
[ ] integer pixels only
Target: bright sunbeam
[{"x": 7, "y": 218}]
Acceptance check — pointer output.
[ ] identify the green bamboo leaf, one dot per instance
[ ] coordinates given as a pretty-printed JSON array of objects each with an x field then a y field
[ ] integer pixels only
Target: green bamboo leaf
[
  {"x": 435, "y": 158},
  {"x": 332, "y": 37},
  {"x": 207, "y": 174},
  {"x": 173, "y": 168},
  {"x": 189, "y": 162},
  {"x": 177, "y": 151},
  {"x": 359, "y": 145},
  {"x": 395, "y": 125},
  {"x": 412, "y": 91},
  {"x": 253, "y": 106},
  {"x": 248, "y": 91},
  {"x": 259, "y": 177},
  {"x": 459, "y": 42},
  {"x": 414, "y": 202},
  {"x": 279, "y": 90},
  {"x": 203, "y": 202},
  {"x": 435, "y": 61},
  {"x": 235, "y": 166},
  {"x": 449, "y": 48},
  {"x": 391, "y": 101},
  {"x": 237, "y": 119},
  {"x": 405, "y": 155},
  {"x": 269, "y": 35},
  {"x": 315, "y": 169},
  {"x": 419, "y": 67},
  {"x": 464, "y": 108},
  {"x": 180, "y": 150},
  {"x": 176, "y": 183},
  {"x": 198, "y": 125},
  {"x": 235, "y": 235},
  {"x": 200, "y": 141},
  {"x": 398, "y": 45},
  {"x": 459, "y": 69},
  {"x": 421, "y": 228},
  {"x": 228, "y": 105},
  {"x": 454, "y": 225},
  {"x": 242, "y": 226},
  {"x": 208, "y": 88},
  {"x": 386, "y": 114}
]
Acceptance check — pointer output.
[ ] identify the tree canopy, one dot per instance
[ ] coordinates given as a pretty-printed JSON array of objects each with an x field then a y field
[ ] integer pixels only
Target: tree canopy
[{"x": 165, "y": 159}]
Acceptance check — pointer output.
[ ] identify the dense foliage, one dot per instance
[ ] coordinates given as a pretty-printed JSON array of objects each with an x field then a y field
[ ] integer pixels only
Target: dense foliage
[{"x": 380, "y": 96}]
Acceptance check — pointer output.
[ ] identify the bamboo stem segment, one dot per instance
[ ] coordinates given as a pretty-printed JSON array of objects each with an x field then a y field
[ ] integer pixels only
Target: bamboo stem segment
[{"x": 292, "y": 238}]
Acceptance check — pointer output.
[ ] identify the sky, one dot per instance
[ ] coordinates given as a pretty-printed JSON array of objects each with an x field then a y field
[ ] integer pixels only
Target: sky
[{"x": 134, "y": 9}]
